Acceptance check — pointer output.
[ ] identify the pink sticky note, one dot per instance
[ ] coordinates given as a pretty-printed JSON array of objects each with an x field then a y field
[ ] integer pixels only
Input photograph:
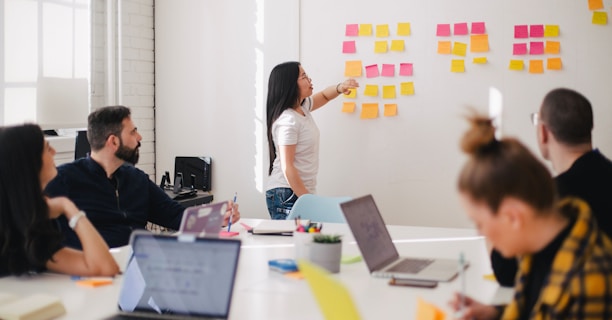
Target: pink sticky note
[
  {"x": 352, "y": 30},
  {"x": 519, "y": 48},
  {"x": 478, "y": 28},
  {"x": 536, "y": 47},
  {"x": 228, "y": 234},
  {"x": 388, "y": 70},
  {"x": 536, "y": 30},
  {"x": 443, "y": 30},
  {"x": 372, "y": 71},
  {"x": 405, "y": 69},
  {"x": 348, "y": 47},
  {"x": 461, "y": 28},
  {"x": 521, "y": 31}
]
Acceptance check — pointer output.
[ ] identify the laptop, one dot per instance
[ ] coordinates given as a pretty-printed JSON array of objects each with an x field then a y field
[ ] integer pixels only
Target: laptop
[
  {"x": 203, "y": 220},
  {"x": 178, "y": 277},
  {"x": 379, "y": 252}
]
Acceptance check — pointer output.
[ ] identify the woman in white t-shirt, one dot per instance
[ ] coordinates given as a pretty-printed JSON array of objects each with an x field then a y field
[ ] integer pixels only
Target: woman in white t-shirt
[{"x": 293, "y": 136}]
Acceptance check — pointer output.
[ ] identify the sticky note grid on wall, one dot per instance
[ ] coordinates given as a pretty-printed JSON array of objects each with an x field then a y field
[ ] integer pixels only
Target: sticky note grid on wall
[
  {"x": 537, "y": 44},
  {"x": 456, "y": 42},
  {"x": 382, "y": 40}
]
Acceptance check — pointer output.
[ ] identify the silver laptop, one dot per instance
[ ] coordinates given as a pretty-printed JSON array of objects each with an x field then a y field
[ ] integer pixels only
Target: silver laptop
[
  {"x": 379, "y": 252},
  {"x": 178, "y": 277},
  {"x": 203, "y": 220}
]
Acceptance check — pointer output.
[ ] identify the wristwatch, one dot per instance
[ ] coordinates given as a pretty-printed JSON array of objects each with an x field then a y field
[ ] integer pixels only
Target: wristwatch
[{"x": 73, "y": 221}]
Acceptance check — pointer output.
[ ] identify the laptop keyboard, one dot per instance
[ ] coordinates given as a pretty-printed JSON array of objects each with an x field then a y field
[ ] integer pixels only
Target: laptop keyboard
[{"x": 410, "y": 265}]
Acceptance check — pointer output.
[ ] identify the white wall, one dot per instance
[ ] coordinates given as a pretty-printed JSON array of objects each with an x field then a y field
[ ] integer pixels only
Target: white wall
[{"x": 211, "y": 87}]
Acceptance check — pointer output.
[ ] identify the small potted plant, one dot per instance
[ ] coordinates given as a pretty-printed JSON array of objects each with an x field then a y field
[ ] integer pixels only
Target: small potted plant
[{"x": 326, "y": 251}]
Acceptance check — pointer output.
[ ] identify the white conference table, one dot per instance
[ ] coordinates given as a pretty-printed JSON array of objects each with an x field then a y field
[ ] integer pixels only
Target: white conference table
[{"x": 263, "y": 294}]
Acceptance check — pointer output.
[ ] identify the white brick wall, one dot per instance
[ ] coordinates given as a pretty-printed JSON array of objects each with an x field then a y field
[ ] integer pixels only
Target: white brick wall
[{"x": 138, "y": 69}]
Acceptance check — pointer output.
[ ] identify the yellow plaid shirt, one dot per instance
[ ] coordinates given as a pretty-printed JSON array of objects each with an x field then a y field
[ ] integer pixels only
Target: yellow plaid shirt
[{"x": 579, "y": 285}]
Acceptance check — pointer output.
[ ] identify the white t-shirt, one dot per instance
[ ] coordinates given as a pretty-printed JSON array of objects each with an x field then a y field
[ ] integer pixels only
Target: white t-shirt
[{"x": 291, "y": 128}]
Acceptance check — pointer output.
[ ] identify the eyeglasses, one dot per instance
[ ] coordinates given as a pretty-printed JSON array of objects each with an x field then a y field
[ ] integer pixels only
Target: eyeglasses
[
  {"x": 535, "y": 118},
  {"x": 304, "y": 76}
]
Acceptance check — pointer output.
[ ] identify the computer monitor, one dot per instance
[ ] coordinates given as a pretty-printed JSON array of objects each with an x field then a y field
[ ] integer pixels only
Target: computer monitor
[
  {"x": 198, "y": 166},
  {"x": 81, "y": 145}
]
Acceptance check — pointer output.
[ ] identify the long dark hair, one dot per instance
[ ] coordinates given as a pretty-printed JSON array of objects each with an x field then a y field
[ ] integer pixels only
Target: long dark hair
[
  {"x": 283, "y": 93},
  {"x": 28, "y": 237}
]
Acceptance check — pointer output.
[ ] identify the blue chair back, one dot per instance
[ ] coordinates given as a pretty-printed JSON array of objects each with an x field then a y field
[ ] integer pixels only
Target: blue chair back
[{"x": 318, "y": 208}]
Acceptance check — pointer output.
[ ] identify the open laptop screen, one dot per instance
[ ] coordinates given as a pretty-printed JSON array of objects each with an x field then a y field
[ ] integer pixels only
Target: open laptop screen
[
  {"x": 181, "y": 275},
  {"x": 369, "y": 230}
]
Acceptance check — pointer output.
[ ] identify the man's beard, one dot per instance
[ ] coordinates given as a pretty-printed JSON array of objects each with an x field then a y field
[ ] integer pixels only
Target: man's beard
[{"x": 126, "y": 154}]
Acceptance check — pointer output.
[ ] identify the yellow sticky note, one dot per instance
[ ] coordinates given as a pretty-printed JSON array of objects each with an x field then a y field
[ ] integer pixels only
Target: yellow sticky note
[
  {"x": 516, "y": 65},
  {"x": 444, "y": 47},
  {"x": 380, "y": 46},
  {"x": 428, "y": 311},
  {"x": 389, "y": 92},
  {"x": 371, "y": 90},
  {"x": 390, "y": 110},
  {"x": 479, "y": 43},
  {"x": 595, "y": 4},
  {"x": 382, "y": 30},
  {"x": 536, "y": 66},
  {"x": 459, "y": 48},
  {"x": 369, "y": 111},
  {"x": 552, "y": 47},
  {"x": 554, "y": 64},
  {"x": 403, "y": 29},
  {"x": 551, "y": 30},
  {"x": 348, "y": 107},
  {"x": 352, "y": 94},
  {"x": 331, "y": 295},
  {"x": 365, "y": 29},
  {"x": 480, "y": 60},
  {"x": 352, "y": 68},
  {"x": 407, "y": 88},
  {"x": 397, "y": 45},
  {"x": 490, "y": 277},
  {"x": 457, "y": 65},
  {"x": 600, "y": 17}
]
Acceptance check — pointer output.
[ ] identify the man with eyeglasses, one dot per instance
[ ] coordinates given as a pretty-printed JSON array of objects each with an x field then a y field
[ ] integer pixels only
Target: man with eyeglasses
[{"x": 564, "y": 124}]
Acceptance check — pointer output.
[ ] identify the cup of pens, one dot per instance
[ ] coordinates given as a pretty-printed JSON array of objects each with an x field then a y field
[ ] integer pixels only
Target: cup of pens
[{"x": 303, "y": 237}]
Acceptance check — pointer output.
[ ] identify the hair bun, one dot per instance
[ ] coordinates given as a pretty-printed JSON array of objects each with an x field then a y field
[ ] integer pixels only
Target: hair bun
[{"x": 479, "y": 136}]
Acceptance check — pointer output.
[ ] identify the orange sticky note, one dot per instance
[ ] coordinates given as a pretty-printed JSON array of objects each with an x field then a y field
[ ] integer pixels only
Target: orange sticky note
[
  {"x": 428, "y": 311},
  {"x": 459, "y": 49},
  {"x": 365, "y": 29},
  {"x": 371, "y": 90},
  {"x": 516, "y": 65},
  {"x": 369, "y": 111},
  {"x": 536, "y": 66},
  {"x": 390, "y": 110},
  {"x": 397, "y": 45},
  {"x": 352, "y": 94},
  {"x": 403, "y": 29},
  {"x": 352, "y": 68},
  {"x": 94, "y": 282},
  {"x": 382, "y": 30},
  {"x": 551, "y": 30},
  {"x": 407, "y": 88},
  {"x": 444, "y": 47},
  {"x": 552, "y": 47},
  {"x": 479, "y": 43},
  {"x": 596, "y": 4},
  {"x": 380, "y": 47},
  {"x": 294, "y": 275},
  {"x": 458, "y": 65},
  {"x": 348, "y": 107},
  {"x": 389, "y": 92},
  {"x": 554, "y": 64},
  {"x": 600, "y": 17}
]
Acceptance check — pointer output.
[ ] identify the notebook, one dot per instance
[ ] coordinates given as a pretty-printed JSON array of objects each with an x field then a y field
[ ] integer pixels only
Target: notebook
[
  {"x": 178, "y": 277},
  {"x": 203, "y": 220},
  {"x": 379, "y": 252}
]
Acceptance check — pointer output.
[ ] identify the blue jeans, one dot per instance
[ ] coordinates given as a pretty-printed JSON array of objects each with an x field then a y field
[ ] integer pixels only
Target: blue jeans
[{"x": 280, "y": 201}]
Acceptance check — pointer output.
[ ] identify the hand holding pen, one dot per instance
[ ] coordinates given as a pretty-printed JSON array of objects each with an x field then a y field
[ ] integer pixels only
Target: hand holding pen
[{"x": 234, "y": 205}]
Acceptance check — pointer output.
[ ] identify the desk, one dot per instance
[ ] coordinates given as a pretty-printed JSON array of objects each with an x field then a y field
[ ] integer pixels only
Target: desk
[{"x": 263, "y": 294}]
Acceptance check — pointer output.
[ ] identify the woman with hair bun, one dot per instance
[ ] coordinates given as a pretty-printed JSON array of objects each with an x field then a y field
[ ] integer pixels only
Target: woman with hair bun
[{"x": 565, "y": 268}]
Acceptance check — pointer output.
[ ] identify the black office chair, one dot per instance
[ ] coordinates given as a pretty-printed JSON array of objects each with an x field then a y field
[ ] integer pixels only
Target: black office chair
[{"x": 81, "y": 145}]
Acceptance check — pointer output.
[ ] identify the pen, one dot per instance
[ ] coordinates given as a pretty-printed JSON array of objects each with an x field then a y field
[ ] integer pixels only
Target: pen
[
  {"x": 229, "y": 223},
  {"x": 462, "y": 276}
]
